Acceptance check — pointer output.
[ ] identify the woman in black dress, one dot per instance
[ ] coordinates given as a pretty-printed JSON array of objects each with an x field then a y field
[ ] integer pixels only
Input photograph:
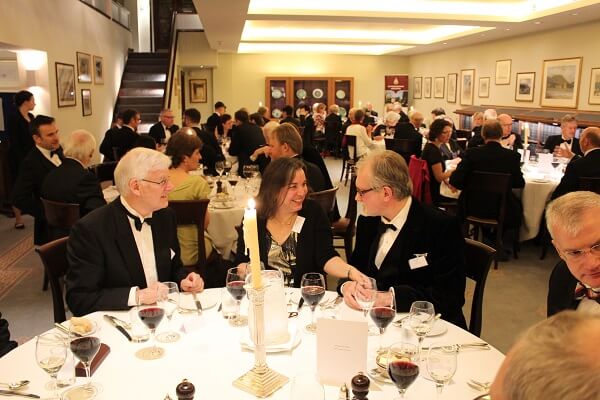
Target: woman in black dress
[
  {"x": 21, "y": 142},
  {"x": 439, "y": 133}
]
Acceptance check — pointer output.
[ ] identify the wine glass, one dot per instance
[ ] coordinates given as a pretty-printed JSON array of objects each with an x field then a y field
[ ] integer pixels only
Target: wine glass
[
  {"x": 383, "y": 312},
  {"x": 227, "y": 166},
  {"x": 168, "y": 299},
  {"x": 220, "y": 167},
  {"x": 313, "y": 289},
  {"x": 365, "y": 294},
  {"x": 441, "y": 364},
  {"x": 401, "y": 365},
  {"x": 51, "y": 354},
  {"x": 84, "y": 348},
  {"x": 307, "y": 386},
  {"x": 235, "y": 281},
  {"x": 151, "y": 317},
  {"x": 421, "y": 320}
]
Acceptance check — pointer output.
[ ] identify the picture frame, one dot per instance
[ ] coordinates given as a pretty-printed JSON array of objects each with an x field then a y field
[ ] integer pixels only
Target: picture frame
[
  {"x": 417, "y": 94},
  {"x": 560, "y": 82},
  {"x": 467, "y": 79},
  {"x": 451, "y": 88},
  {"x": 86, "y": 102},
  {"x": 65, "y": 84},
  {"x": 484, "y": 87},
  {"x": 438, "y": 87},
  {"x": 198, "y": 91},
  {"x": 84, "y": 68},
  {"x": 525, "y": 86},
  {"x": 98, "y": 70},
  {"x": 503, "y": 72},
  {"x": 594, "y": 96},
  {"x": 427, "y": 88}
]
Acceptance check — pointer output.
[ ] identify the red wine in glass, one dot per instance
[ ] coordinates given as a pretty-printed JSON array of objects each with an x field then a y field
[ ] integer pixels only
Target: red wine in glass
[
  {"x": 403, "y": 373},
  {"x": 382, "y": 316},
  {"x": 236, "y": 289},
  {"x": 312, "y": 295},
  {"x": 151, "y": 316},
  {"x": 233, "y": 182},
  {"x": 85, "y": 348}
]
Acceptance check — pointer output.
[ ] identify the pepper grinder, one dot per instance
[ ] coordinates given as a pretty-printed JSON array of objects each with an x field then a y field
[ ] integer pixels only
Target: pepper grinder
[
  {"x": 360, "y": 386},
  {"x": 185, "y": 390}
]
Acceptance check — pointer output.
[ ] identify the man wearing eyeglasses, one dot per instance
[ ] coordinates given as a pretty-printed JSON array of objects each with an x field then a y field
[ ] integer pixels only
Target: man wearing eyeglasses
[
  {"x": 165, "y": 127},
  {"x": 572, "y": 221},
  {"x": 118, "y": 254},
  {"x": 414, "y": 248}
]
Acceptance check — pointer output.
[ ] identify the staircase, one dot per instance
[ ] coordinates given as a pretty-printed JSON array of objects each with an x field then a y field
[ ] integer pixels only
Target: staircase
[{"x": 143, "y": 86}]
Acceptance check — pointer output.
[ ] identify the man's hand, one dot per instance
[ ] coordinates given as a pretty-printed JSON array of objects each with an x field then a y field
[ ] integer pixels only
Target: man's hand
[
  {"x": 560, "y": 151},
  {"x": 149, "y": 295},
  {"x": 192, "y": 283}
]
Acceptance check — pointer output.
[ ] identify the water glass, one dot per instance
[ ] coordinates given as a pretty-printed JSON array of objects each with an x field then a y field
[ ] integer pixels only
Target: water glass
[{"x": 441, "y": 364}]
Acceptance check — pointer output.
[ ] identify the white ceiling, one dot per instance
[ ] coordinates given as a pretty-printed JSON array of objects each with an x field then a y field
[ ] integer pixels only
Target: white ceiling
[{"x": 397, "y": 27}]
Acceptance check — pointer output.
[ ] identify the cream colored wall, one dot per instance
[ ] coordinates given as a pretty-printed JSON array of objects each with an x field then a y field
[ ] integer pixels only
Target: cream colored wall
[
  {"x": 61, "y": 28},
  {"x": 527, "y": 54}
]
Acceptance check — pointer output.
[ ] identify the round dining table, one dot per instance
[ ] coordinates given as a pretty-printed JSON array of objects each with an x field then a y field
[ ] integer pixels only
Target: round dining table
[{"x": 210, "y": 354}]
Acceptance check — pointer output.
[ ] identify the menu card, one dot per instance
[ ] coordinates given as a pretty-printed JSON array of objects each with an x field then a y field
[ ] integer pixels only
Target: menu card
[
  {"x": 341, "y": 350},
  {"x": 545, "y": 163}
]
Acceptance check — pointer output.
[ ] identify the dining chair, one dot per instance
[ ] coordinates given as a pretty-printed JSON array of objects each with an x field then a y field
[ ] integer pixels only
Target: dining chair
[
  {"x": 478, "y": 258},
  {"x": 404, "y": 147},
  {"x": 104, "y": 171},
  {"x": 349, "y": 159},
  {"x": 325, "y": 198},
  {"x": 193, "y": 212},
  {"x": 345, "y": 228},
  {"x": 54, "y": 258},
  {"x": 463, "y": 134}
]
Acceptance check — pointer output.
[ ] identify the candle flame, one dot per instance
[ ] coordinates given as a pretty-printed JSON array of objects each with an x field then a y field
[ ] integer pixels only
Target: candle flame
[{"x": 251, "y": 204}]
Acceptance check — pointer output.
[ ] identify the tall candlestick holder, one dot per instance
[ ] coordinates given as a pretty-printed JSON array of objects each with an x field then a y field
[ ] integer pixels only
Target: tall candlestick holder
[{"x": 261, "y": 381}]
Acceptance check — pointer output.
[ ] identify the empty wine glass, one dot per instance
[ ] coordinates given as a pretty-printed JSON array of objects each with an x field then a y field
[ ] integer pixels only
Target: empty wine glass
[
  {"x": 50, "y": 354},
  {"x": 441, "y": 364},
  {"x": 313, "y": 289},
  {"x": 84, "y": 348},
  {"x": 307, "y": 386},
  {"x": 235, "y": 281},
  {"x": 220, "y": 168},
  {"x": 365, "y": 294},
  {"x": 421, "y": 320},
  {"x": 383, "y": 312},
  {"x": 168, "y": 299},
  {"x": 401, "y": 365}
]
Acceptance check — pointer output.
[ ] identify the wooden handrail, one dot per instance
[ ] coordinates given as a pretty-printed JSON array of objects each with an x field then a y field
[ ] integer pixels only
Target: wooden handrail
[{"x": 172, "y": 56}]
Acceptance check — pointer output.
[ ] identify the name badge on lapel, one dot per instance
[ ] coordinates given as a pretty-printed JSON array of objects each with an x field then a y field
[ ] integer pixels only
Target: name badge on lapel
[
  {"x": 419, "y": 261},
  {"x": 298, "y": 223}
]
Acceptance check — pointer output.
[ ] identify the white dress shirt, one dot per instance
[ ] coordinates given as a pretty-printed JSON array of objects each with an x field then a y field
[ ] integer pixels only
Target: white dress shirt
[
  {"x": 589, "y": 306},
  {"x": 54, "y": 159},
  {"x": 167, "y": 132},
  {"x": 389, "y": 236}
]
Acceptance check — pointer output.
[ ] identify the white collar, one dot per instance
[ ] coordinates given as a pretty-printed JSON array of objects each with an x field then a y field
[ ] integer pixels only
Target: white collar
[
  {"x": 400, "y": 219},
  {"x": 44, "y": 151},
  {"x": 132, "y": 210}
]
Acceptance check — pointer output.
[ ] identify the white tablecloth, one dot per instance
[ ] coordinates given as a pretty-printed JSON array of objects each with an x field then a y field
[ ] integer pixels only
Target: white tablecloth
[
  {"x": 211, "y": 358},
  {"x": 534, "y": 197}
]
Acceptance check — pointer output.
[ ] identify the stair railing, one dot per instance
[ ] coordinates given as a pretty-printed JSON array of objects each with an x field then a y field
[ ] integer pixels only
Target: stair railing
[{"x": 171, "y": 69}]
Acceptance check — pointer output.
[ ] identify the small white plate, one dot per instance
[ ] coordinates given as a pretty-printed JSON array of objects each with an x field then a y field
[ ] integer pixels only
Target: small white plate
[
  {"x": 329, "y": 296},
  {"x": 439, "y": 328},
  {"x": 276, "y": 113},
  {"x": 207, "y": 299},
  {"x": 340, "y": 94},
  {"x": 317, "y": 93},
  {"x": 276, "y": 93},
  {"x": 301, "y": 94},
  {"x": 95, "y": 327}
]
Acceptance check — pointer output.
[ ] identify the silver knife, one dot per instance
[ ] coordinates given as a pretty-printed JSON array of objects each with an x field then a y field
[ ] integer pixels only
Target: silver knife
[
  {"x": 198, "y": 304},
  {"x": 124, "y": 324},
  {"x": 15, "y": 393},
  {"x": 64, "y": 329},
  {"x": 114, "y": 323},
  {"x": 300, "y": 303},
  {"x": 461, "y": 346}
]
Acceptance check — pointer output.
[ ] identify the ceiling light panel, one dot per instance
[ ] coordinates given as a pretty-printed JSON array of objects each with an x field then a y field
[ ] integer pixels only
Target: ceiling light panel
[{"x": 329, "y": 48}]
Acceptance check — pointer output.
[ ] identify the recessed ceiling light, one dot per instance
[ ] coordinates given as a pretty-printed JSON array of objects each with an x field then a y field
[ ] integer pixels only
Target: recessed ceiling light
[
  {"x": 575, "y": 14},
  {"x": 507, "y": 29},
  {"x": 445, "y": 43},
  {"x": 537, "y": 22}
]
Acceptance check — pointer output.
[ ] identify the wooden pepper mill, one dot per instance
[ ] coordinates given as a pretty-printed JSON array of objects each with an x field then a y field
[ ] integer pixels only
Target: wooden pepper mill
[
  {"x": 360, "y": 386},
  {"x": 185, "y": 390}
]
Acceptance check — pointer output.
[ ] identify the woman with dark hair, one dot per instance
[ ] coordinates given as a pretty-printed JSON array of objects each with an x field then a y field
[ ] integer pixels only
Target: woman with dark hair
[
  {"x": 227, "y": 122},
  {"x": 184, "y": 149},
  {"x": 294, "y": 234},
  {"x": 440, "y": 131},
  {"x": 17, "y": 127}
]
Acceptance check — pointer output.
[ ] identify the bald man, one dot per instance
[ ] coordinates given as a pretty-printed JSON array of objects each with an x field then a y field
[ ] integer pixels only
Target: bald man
[{"x": 509, "y": 139}]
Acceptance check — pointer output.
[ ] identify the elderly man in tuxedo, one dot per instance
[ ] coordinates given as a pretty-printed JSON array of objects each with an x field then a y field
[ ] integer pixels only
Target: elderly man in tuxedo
[
  {"x": 165, "y": 127},
  {"x": 566, "y": 144},
  {"x": 414, "y": 248},
  {"x": 119, "y": 253},
  {"x": 572, "y": 221}
]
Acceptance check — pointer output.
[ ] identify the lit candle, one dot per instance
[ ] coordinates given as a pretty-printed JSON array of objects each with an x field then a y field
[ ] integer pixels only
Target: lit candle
[
  {"x": 526, "y": 132},
  {"x": 251, "y": 240},
  {"x": 359, "y": 104},
  {"x": 260, "y": 103}
]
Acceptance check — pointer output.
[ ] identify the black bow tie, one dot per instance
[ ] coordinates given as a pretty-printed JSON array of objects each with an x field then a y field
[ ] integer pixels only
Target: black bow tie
[
  {"x": 566, "y": 140},
  {"x": 137, "y": 221},
  {"x": 54, "y": 152},
  {"x": 382, "y": 228}
]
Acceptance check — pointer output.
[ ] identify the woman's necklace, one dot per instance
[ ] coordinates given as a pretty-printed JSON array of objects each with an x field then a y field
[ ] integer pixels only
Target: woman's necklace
[{"x": 289, "y": 221}]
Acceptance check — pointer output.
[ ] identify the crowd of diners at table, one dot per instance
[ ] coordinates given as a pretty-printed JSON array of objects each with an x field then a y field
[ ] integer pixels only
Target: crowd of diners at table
[{"x": 118, "y": 253}]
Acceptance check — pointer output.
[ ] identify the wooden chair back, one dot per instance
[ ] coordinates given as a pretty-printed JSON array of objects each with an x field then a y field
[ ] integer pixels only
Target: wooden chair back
[
  {"x": 478, "y": 258},
  {"x": 54, "y": 258},
  {"x": 193, "y": 212},
  {"x": 104, "y": 171},
  {"x": 404, "y": 147},
  {"x": 60, "y": 217},
  {"x": 325, "y": 198}
]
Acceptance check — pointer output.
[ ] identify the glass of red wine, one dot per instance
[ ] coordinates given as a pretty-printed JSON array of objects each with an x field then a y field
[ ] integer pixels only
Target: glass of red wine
[
  {"x": 383, "y": 312},
  {"x": 312, "y": 286},
  {"x": 151, "y": 317},
  {"x": 401, "y": 365},
  {"x": 84, "y": 348},
  {"x": 235, "y": 281}
]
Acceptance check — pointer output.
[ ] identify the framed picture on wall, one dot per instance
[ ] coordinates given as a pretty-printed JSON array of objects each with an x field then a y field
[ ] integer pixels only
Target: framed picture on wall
[
  {"x": 560, "y": 82},
  {"x": 451, "y": 94},
  {"x": 503, "y": 72},
  {"x": 98, "y": 70},
  {"x": 467, "y": 77},
  {"x": 65, "y": 84},
  {"x": 524, "y": 87},
  {"x": 594, "y": 97},
  {"x": 86, "y": 102},
  {"x": 438, "y": 87},
  {"x": 84, "y": 68},
  {"x": 197, "y": 90},
  {"x": 417, "y": 92},
  {"x": 484, "y": 87},
  {"x": 427, "y": 88}
]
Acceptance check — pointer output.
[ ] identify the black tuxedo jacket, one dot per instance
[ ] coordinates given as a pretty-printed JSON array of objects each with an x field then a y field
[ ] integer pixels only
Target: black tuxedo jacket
[
  {"x": 104, "y": 263},
  {"x": 211, "y": 151},
  {"x": 27, "y": 191},
  {"x": 561, "y": 290},
  {"x": 408, "y": 131},
  {"x": 21, "y": 141},
  {"x": 214, "y": 121},
  {"x": 246, "y": 138},
  {"x": 427, "y": 230},
  {"x": 117, "y": 142},
  {"x": 72, "y": 183},
  {"x": 587, "y": 166},
  {"x": 556, "y": 140},
  {"x": 106, "y": 147},
  {"x": 158, "y": 132}
]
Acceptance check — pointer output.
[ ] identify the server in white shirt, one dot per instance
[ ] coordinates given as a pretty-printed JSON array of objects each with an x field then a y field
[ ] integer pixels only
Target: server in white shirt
[
  {"x": 118, "y": 254},
  {"x": 414, "y": 248}
]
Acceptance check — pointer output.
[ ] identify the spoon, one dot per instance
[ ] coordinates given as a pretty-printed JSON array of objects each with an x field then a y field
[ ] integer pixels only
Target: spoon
[
  {"x": 16, "y": 385},
  {"x": 485, "y": 396},
  {"x": 399, "y": 321},
  {"x": 485, "y": 386}
]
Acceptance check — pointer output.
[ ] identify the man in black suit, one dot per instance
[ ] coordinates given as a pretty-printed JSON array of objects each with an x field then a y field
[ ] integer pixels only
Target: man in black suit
[
  {"x": 246, "y": 139},
  {"x": 370, "y": 110},
  {"x": 509, "y": 139},
  {"x": 106, "y": 145},
  {"x": 414, "y": 248},
  {"x": 287, "y": 115},
  {"x": 45, "y": 156},
  {"x": 163, "y": 129},
  {"x": 211, "y": 152},
  {"x": 214, "y": 121},
  {"x": 72, "y": 182},
  {"x": 119, "y": 253},
  {"x": 586, "y": 166},
  {"x": 410, "y": 131},
  {"x": 566, "y": 144},
  {"x": 120, "y": 142},
  {"x": 572, "y": 221}
]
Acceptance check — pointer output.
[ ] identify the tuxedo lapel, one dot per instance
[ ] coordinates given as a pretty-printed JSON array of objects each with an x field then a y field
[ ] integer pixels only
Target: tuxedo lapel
[
  {"x": 405, "y": 242},
  {"x": 162, "y": 251},
  {"x": 127, "y": 246}
]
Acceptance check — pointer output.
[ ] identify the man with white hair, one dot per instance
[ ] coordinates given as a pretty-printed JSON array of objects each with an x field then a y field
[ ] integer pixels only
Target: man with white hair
[
  {"x": 165, "y": 127},
  {"x": 119, "y": 254}
]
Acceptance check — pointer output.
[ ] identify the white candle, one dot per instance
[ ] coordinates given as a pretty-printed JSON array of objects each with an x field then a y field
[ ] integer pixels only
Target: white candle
[
  {"x": 251, "y": 240},
  {"x": 359, "y": 104},
  {"x": 260, "y": 103},
  {"x": 526, "y": 134}
]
